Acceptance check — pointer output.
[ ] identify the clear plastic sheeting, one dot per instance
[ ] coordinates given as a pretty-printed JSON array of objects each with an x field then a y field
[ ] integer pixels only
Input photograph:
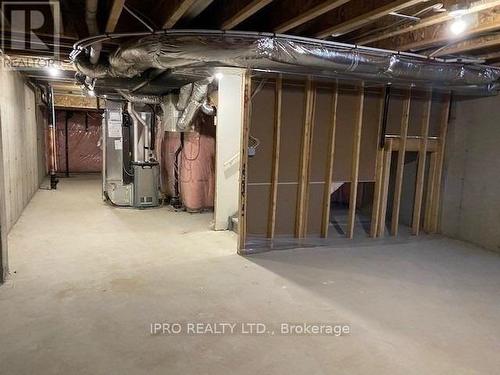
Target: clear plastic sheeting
[{"x": 286, "y": 54}]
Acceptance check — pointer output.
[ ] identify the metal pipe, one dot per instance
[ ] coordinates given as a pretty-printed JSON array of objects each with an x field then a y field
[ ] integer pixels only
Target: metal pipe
[
  {"x": 385, "y": 116},
  {"x": 93, "y": 28},
  {"x": 286, "y": 54},
  {"x": 66, "y": 142}
]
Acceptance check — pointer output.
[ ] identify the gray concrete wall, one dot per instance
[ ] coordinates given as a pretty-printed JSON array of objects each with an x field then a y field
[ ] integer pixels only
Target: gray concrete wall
[
  {"x": 471, "y": 192},
  {"x": 21, "y": 152}
]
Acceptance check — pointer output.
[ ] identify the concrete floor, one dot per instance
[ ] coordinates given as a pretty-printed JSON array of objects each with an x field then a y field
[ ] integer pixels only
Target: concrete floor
[{"x": 90, "y": 279}]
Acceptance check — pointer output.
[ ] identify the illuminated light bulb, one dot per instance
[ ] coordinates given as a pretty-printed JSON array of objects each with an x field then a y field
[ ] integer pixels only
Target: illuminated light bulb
[
  {"x": 458, "y": 26},
  {"x": 53, "y": 71},
  {"x": 219, "y": 76}
]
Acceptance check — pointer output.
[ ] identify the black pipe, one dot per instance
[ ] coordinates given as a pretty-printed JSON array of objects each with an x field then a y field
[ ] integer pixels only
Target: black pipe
[
  {"x": 176, "y": 199},
  {"x": 66, "y": 142},
  {"x": 383, "y": 131}
]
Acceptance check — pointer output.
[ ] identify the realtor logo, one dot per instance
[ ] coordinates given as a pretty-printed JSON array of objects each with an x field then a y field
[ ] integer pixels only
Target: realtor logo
[{"x": 31, "y": 29}]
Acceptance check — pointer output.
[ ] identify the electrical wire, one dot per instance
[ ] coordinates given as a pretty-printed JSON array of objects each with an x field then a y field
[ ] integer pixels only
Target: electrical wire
[{"x": 137, "y": 17}]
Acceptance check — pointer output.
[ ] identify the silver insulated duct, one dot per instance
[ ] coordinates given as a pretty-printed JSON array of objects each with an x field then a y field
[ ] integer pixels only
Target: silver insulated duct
[{"x": 279, "y": 53}]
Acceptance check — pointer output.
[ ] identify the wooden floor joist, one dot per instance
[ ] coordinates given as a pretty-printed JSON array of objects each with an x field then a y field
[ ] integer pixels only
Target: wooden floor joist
[
  {"x": 377, "y": 191},
  {"x": 422, "y": 158},
  {"x": 325, "y": 223},
  {"x": 401, "y": 163},
  {"x": 302, "y": 194},
  {"x": 247, "y": 110},
  {"x": 276, "y": 156},
  {"x": 356, "y": 148},
  {"x": 386, "y": 173}
]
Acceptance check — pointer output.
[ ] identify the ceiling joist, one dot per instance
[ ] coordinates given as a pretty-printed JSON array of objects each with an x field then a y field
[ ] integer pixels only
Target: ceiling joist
[
  {"x": 470, "y": 45},
  {"x": 173, "y": 10},
  {"x": 362, "y": 15},
  {"x": 293, "y": 17},
  {"x": 242, "y": 14},
  {"x": 114, "y": 15},
  {"x": 440, "y": 34},
  {"x": 429, "y": 21}
]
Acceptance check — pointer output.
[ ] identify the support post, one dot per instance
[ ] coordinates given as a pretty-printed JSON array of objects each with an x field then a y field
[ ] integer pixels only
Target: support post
[
  {"x": 422, "y": 158},
  {"x": 356, "y": 146},
  {"x": 278, "y": 99},
  {"x": 245, "y": 131},
  {"x": 401, "y": 163},
  {"x": 377, "y": 192},
  {"x": 231, "y": 119},
  {"x": 325, "y": 224},
  {"x": 307, "y": 136},
  {"x": 387, "y": 156}
]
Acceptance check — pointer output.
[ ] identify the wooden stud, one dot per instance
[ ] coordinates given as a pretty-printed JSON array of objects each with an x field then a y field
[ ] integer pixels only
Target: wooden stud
[
  {"x": 436, "y": 202},
  {"x": 356, "y": 147},
  {"x": 422, "y": 157},
  {"x": 401, "y": 163},
  {"x": 387, "y": 156},
  {"x": 300, "y": 219},
  {"x": 431, "y": 186},
  {"x": 325, "y": 224},
  {"x": 247, "y": 110},
  {"x": 276, "y": 156},
  {"x": 377, "y": 193}
]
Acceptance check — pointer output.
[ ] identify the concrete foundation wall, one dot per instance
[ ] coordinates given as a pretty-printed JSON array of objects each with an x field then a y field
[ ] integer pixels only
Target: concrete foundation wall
[
  {"x": 22, "y": 151},
  {"x": 471, "y": 198}
]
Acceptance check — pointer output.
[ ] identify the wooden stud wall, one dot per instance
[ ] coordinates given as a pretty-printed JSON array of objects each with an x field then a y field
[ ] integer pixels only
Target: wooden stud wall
[{"x": 301, "y": 136}]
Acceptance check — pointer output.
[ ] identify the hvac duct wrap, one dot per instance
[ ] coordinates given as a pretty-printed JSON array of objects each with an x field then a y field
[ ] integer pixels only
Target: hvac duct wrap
[{"x": 282, "y": 54}]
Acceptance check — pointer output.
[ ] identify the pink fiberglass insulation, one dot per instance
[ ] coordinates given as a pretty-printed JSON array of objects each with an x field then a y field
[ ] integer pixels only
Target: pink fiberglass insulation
[
  {"x": 196, "y": 165},
  {"x": 85, "y": 154}
]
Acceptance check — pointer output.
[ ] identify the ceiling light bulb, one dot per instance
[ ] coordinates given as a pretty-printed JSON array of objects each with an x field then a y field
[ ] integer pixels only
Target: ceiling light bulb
[
  {"x": 219, "y": 76},
  {"x": 91, "y": 92},
  {"x": 458, "y": 26}
]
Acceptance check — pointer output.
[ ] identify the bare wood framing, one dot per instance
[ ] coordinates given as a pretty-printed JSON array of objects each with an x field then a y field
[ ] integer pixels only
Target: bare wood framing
[
  {"x": 431, "y": 186},
  {"x": 247, "y": 110},
  {"x": 436, "y": 202},
  {"x": 473, "y": 44},
  {"x": 325, "y": 224},
  {"x": 276, "y": 156},
  {"x": 114, "y": 15},
  {"x": 439, "y": 34},
  {"x": 356, "y": 148},
  {"x": 422, "y": 157},
  {"x": 413, "y": 143},
  {"x": 387, "y": 156},
  {"x": 366, "y": 18},
  {"x": 309, "y": 14},
  {"x": 244, "y": 13},
  {"x": 401, "y": 163},
  {"x": 173, "y": 11},
  {"x": 302, "y": 196},
  {"x": 377, "y": 193},
  {"x": 429, "y": 21}
]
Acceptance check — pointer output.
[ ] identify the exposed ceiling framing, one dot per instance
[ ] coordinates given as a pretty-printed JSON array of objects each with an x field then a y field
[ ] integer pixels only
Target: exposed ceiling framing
[{"x": 405, "y": 25}]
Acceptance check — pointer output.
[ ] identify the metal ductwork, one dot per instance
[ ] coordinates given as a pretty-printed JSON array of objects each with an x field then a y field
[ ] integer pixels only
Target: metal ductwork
[
  {"x": 93, "y": 28},
  {"x": 280, "y": 53}
]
